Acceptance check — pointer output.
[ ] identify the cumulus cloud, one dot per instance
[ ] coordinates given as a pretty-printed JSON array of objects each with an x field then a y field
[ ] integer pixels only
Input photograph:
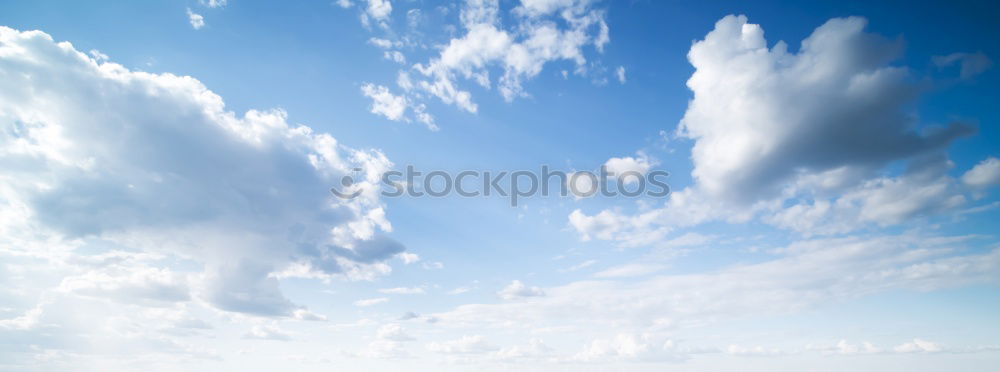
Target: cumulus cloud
[
  {"x": 394, "y": 107},
  {"x": 385, "y": 103},
  {"x": 620, "y": 74},
  {"x": 918, "y": 346},
  {"x": 541, "y": 33},
  {"x": 96, "y": 155},
  {"x": 629, "y": 347},
  {"x": 762, "y": 117},
  {"x": 629, "y": 167},
  {"x": 985, "y": 174},
  {"x": 516, "y": 289},
  {"x": 196, "y": 20},
  {"x": 802, "y": 139}
]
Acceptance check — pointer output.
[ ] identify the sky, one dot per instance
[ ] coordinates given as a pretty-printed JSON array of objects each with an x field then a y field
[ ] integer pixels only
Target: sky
[{"x": 166, "y": 167}]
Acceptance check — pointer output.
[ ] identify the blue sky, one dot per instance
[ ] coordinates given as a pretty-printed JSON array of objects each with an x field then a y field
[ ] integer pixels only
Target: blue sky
[{"x": 166, "y": 166}]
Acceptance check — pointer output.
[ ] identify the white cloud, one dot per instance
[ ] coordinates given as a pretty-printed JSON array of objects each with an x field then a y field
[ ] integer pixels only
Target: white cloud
[
  {"x": 379, "y": 9},
  {"x": 161, "y": 166},
  {"x": 516, "y": 289},
  {"x": 630, "y": 270},
  {"x": 540, "y": 34},
  {"x": 620, "y": 73},
  {"x": 846, "y": 348},
  {"x": 582, "y": 265},
  {"x": 370, "y": 301},
  {"x": 384, "y": 43},
  {"x": 267, "y": 333},
  {"x": 28, "y": 320},
  {"x": 762, "y": 117},
  {"x": 985, "y": 174},
  {"x": 629, "y": 167},
  {"x": 303, "y": 314},
  {"x": 466, "y": 345},
  {"x": 409, "y": 258},
  {"x": 389, "y": 343},
  {"x": 799, "y": 139},
  {"x": 802, "y": 275},
  {"x": 125, "y": 283},
  {"x": 918, "y": 346},
  {"x": 213, "y": 3},
  {"x": 385, "y": 103},
  {"x": 395, "y": 56},
  {"x": 196, "y": 20},
  {"x": 630, "y": 347},
  {"x": 752, "y": 350},
  {"x": 394, "y": 107},
  {"x": 433, "y": 265},
  {"x": 403, "y": 290},
  {"x": 393, "y": 332}
]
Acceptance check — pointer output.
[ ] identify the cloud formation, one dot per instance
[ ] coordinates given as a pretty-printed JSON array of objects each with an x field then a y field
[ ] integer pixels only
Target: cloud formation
[
  {"x": 96, "y": 155},
  {"x": 542, "y": 32},
  {"x": 801, "y": 139}
]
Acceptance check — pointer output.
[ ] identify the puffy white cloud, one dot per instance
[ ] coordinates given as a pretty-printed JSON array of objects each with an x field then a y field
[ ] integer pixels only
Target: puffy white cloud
[
  {"x": 516, "y": 289},
  {"x": 197, "y": 20},
  {"x": 800, "y": 139},
  {"x": 629, "y": 165},
  {"x": 620, "y": 74},
  {"x": 395, "y": 56},
  {"x": 918, "y": 346},
  {"x": 985, "y": 174},
  {"x": 628, "y": 347},
  {"x": 394, "y": 107},
  {"x": 762, "y": 117},
  {"x": 379, "y": 9},
  {"x": 540, "y": 34},
  {"x": 409, "y": 258},
  {"x": 95, "y": 155},
  {"x": 385, "y": 103}
]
